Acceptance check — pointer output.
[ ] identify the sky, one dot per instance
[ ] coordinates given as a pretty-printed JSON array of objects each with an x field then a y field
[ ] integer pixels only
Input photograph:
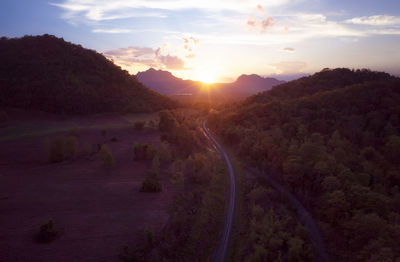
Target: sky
[{"x": 218, "y": 40}]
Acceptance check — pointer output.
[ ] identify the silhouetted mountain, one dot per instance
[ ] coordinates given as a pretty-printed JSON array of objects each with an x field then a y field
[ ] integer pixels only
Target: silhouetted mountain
[
  {"x": 252, "y": 84},
  {"x": 167, "y": 84},
  {"x": 47, "y": 73}
]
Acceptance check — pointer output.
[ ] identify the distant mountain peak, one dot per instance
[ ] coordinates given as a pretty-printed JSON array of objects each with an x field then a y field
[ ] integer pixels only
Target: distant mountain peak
[{"x": 245, "y": 77}]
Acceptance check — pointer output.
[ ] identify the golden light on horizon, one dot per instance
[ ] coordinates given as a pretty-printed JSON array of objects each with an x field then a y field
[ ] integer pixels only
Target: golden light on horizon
[{"x": 206, "y": 75}]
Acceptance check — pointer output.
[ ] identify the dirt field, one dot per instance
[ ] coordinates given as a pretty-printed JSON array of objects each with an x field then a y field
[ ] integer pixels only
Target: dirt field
[{"x": 98, "y": 209}]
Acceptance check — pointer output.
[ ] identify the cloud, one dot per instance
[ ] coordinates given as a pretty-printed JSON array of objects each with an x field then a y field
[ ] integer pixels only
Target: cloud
[
  {"x": 289, "y": 67},
  {"x": 267, "y": 22},
  {"x": 169, "y": 61},
  {"x": 261, "y": 24},
  {"x": 375, "y": 20},
  {"x": 132, "y": 55},
  {"x": 288, "y": 49},
  {"x": 158, "y": 58},
  {"x": 77, "y": 11},
  {"x": 190, "y": 43},
  {"x": 112, "y": 31}
]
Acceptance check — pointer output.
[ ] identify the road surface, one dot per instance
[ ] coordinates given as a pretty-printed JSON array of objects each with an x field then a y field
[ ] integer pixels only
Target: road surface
[{"x": 226, "y": 234}]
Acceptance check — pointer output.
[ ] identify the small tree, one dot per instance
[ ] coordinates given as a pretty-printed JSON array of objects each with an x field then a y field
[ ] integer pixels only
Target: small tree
[
  {"x": 143, "y": 151},
  {"x": 106, "y": 156},
  {"x": 149, "y": 236},
  {"x": 139, "y": 125},
  {"x": 47, "y": 232},
  {"x": 3, "y": 118},
  {"x": 70, "y": 147},
  {"x": 63, "y": 148},
  {"x": 152, "y": 183},
  {"x": 56, "y": 153}
]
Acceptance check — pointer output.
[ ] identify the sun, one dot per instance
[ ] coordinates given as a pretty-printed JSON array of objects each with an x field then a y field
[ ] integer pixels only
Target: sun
[{"x": 205, "y": 75}]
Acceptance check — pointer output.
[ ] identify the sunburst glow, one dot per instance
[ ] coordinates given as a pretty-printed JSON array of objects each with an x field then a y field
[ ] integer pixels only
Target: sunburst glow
[{"x": 206, "y": 75}]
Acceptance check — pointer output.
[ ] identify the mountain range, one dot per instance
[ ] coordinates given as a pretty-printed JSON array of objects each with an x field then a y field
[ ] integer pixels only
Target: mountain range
[{"x": 165, "y": 83}]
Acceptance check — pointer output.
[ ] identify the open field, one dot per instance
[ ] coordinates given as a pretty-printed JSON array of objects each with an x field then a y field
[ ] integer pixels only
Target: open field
[{"x": 98, "y": 209}]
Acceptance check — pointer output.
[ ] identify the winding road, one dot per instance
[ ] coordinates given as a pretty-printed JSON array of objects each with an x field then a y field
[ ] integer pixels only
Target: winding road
[
  {"x": 304, "y": 216},
  {"x": 222, "y": 250}
]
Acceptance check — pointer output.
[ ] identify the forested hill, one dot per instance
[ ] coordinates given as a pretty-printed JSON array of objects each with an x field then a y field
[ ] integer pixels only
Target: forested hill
[
  {"x": 325, "y": 80},
  {"x": 334, "y": 140},
  {"x": 47, "y": 73}
]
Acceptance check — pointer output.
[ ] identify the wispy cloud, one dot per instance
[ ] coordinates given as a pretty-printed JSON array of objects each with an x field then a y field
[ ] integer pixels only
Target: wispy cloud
[
  {"x": 289, "y": 67},
  {"x": 288, "y": 49},
  {"x": 133, "y": 55},
  {"x": 100, "y": 10},
  {"x": 189, "y": 46},
  {"x": 375, "y": 20},
  {"x": 260, "y": 24},
  {"x": 112, "y": 31}
]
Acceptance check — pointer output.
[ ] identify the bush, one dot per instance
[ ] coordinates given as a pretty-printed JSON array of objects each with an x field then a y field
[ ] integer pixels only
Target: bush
[
  {"x": 3, "y": 117},
  {"x": 87, "y": 149},
  {"x": 151, "y": 124},
  {"x": 165, "y": 152},
  {"x": 47, "y": 232},
  {"x": 63, "y": 148},
  {"x": 139, "y": 125},
  {"x": 151, "y": 184},
  {"x": 149, "y": 236},
  {"x": 74, "y": 131},
  {"x": 70, "y": 147},
  {"x": 106, "y": 156},
  {"x": 143, "y": 151}
]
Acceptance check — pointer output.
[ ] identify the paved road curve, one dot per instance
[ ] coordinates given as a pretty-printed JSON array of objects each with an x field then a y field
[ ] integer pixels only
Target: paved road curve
[{"x": 224, "y": 244}]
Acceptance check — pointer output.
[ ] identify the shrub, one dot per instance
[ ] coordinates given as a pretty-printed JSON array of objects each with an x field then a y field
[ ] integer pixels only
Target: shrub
[
  {"x": 139, "y": 125},
  {"x": 143, "y": 151},
  {"x": 57, "y": 150},
  {"x": 63, "y": 148},
  {"x": 70, "y": 147},
  {"x": 106, "y": 156},
  {"x": 178, "y": 178},
  {"x": 114, "y": 139},
  {"x": 165, "y": 152},
  {"x": 151, "y": 184},
  {"x": 151, "y": 124},
  {"x": 87, "y": 149},
  {"x": 155, "y": 167},
  {"x": 74, "y": 131},
  {"x": 149, "y": 236},
  {"x": 3, "y": 117},
  {"x": 47, "y": 232}
]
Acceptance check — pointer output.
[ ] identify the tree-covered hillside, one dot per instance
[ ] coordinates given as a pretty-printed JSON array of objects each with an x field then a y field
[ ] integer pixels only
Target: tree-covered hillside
[
  {"x": 334, "y": 140},
  {"x": 47, "y": 73}
]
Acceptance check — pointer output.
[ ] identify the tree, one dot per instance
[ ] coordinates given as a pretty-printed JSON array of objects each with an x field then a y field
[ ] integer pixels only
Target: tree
[{"x": 106, "y": 156}]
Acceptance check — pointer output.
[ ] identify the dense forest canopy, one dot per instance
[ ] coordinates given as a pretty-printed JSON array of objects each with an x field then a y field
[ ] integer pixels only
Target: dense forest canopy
[
  {"x": 334, "y": 140},
  {"x": 47, "y": 73}
]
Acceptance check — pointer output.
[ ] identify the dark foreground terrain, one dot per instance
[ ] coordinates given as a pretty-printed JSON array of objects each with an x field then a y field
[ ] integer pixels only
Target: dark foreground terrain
[{"x": 97, "y": 209}]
